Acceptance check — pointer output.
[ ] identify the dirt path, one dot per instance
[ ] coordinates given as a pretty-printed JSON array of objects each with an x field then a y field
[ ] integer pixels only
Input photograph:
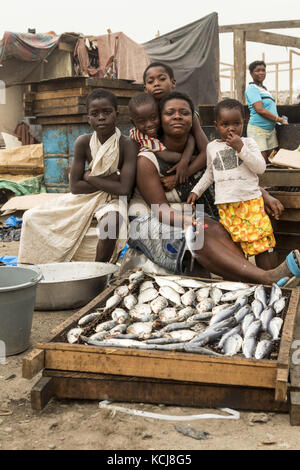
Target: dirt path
[{"x": 69, "y": 424}]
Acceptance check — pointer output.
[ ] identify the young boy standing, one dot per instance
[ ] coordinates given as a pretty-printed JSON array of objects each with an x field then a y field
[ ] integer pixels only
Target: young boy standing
[{"x": 233, "y": 163}]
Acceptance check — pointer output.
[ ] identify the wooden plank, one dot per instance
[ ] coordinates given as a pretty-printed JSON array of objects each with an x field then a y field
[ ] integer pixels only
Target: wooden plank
[
  {"x": 72, "y": 119},
  {"x": 62, "y": 111},
  {"x": 263, "y": 25},
  {"x": 295, "y": 408},
  {"x": 41, "y": 393},
  {"x": 115, "y": 84},
  {"x": 295, "y": 355},
  {"x": 163, "y": 365},
  {"x": 287, "y": 240},
  {"x": 48, "y": 95},
  {"x": 40, "y": 105},
  {"x": 239, "y": 44},
  {"x": 283, "y": 359},
  {"x": 61, "y": 83},
  {"x": 290, "y": 200},
  {"x": 281, "y": 385},
  {"x": 286, "y": 225},
  {"x": 273, "y": 39},
  {"x": 33, "y": 363},
  {"x": 280, "y": 177},
  {"x": 88, "y": 386}
]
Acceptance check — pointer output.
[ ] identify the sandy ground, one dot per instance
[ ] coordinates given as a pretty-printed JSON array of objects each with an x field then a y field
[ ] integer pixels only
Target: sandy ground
[{"x": 69, "y": 424}]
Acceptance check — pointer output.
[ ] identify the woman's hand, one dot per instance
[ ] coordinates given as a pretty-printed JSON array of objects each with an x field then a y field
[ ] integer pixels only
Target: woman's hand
[
  {"x": 169, "y": 182},
  {"x": 192, "y": 199}
]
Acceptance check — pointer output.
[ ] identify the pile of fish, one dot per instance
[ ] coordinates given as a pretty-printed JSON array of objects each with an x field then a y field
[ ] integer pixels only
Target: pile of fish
[{"x": 185, "y": 314}]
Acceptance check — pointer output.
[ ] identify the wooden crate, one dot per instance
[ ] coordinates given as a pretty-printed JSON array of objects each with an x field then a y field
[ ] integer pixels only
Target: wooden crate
[{"x": 90, "y": 372}]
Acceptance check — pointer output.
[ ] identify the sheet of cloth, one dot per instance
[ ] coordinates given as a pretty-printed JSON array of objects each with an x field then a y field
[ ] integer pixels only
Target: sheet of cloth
[
  {"x": 54, "y": 231},
  {"x": 27, "y": 46},
  {"x": 193, "y": 53}
]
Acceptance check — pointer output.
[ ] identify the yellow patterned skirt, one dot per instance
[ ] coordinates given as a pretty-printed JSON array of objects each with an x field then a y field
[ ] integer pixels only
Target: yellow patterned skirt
[{"x": 249, "y": 225}]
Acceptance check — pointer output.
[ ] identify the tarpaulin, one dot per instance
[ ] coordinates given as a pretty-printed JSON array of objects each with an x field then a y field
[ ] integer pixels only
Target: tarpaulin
[
  {"x": 193, "y": 53},
  {"x": 26, "y": 46}
]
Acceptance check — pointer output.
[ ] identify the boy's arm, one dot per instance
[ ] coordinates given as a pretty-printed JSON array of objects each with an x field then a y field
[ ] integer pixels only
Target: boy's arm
[
  {"x": 201, "y": 143},
  {"x": 169, "y": 157},
  {"x": 124, "y": 185},
  {"x": 77, "y": 183}
]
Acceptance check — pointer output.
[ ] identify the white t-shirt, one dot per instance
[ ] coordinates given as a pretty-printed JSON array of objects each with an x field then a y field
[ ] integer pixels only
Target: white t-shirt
[{"x": 234, "y": 174}]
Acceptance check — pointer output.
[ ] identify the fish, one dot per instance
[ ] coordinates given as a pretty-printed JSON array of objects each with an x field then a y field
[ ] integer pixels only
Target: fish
[
  {"x": 203, "y": 293},
  {"x": 248, "y": 319},
  {"x": 118, "y": 329},
  {"x": 99, "y": 336},
  {"x": 200, "y": 350},
  {"x": 186, "y": 313},
  {"x": 216, "y": 295},
  {"x": 74, "y": 334},
  {"x": 241, "y": 301},
  {"x": 263, "y": 349},
  {"x": 234, "y": 295},
  {"x": 260, "y": 294},
  {"x": 276, "y": 294},
  {"x": 137, "y": 276},
  {"x": 248, "y": 347},
  {"x": 178, "y": 326},
  {"x": 192, "y": 283},
  {"x": 253, "y": 329},
  {"x": 236, "y": 330},
  {"x": 233, "y": 345},
  {"x": 217, "y": 308},
  {"x": 205, "y": 305},
  {"x": 130, "y": 301},
  {"x": 143, "y": 329},
  {"x": 168, "y": 315},
  {"x": 126, "y": 336},
  {"x": 274, "y": 327},
  {"x": 158, "y": 304},
  {"x": 241, "y": 313},
  {"x": 266, "y": 316},
  {"x": 257, "y": 308},
  {"x": 105, "y": 326},
  {"x": 230, "y": 286},
  {"x": 161, "y": 281},
  {"x": 198, "y": 327},
  {"x": 188, "y": 298},
  {"x": 200, "y": 317},
  {"x": 141, "y": 312},
  {"x": 170, "y": 294},
  {"x": 120, "y": 315},
  {"x": 214, "y": 332},
  {"x": 112, "y": 302},
  {"x": 147, "y": 295},
  {"x": 160, "y": 341},
  {"x": 146, "y": 285},
  {"x": 88, "y": 318},
  {"x": 122, "y": 291},
  {"x": 279, "y": 305},
  {"x": 182, "y": 335},
  {"x": 223, "y": 314},
  {"x": 119, "y": 343}
]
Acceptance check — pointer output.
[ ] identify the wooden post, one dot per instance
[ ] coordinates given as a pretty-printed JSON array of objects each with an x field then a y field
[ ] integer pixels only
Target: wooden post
[
  {"x": 239, "y": 44},
  {"x": 276, "y": 82},
  {"x": 291, "y": 76}
]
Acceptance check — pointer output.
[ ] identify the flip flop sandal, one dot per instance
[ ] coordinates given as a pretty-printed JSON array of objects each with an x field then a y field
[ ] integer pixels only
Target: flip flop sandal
[{"x": 294, "y": 267}]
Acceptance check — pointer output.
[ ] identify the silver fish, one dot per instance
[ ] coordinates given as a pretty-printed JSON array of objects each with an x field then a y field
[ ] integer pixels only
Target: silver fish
[
  {"x": 212, "y": 333},
  {"x": 130, "y": 301},
  {"x": 200, "y": 317},
  {"x": 119, "y": 343},
  {"x": 188, "y": 298},
  {"x": 192, "y": 283},
  {"x": 233, "y": 345},
  {"x": 160, "y": 341},
  {"x": 266, "y": 316},
  {"x": 147, "y": 295},
  {"x": 275, "y": 295},
  {"x": 161, "y": 281},
  {"x": 205, "y": 305},
  {"x": 223, "y": 314},
  {"x": 218, "y": 308},
  {"x": 158, "y": 304},
  {"x": 274, "y": 327},
  {"x": 168, "y": 315},
  {"x": 137, "y": 276},
  {"x": 112, "y": 302},
  {"x": 263, "y": 349},
  {"x": 146, "y": 285},
  {"x": 203, "y": 293},
  {"x": 120, "y": 315},
  {"x": 126, "y": 336},
  {"x": 234, "y": 295},
  {"x": 253, "y": 329},
  {"x": 119, "y": 329},
  {"x": 260, "y": 294},
  {"x": 140, "y": 311},
  {"x": 194, "y": 348},
  {"x": 178, "y": 326},
  {"x": 198, "y": 327},
  {"x": 186, "y": 313},
  {"x": 216, "y": 294},
  {"x": 170, "y": 294},
  {"x": 241, "y": 313},
  {"x": 143, "y": 329},
  {"x": 233, "y": 331},
  {"x": 99, "y": 336},
  {"x": 182, "y": 335},
  {"x": 257, "y": 308},
  {"x": 231, "y": 286},
  {"x": 105, "y": 326},
  {"x": 248, "y": 347},
  {"x": 122, "y": 291},
  {"x": 88, "y": 318},
  {"x": 279, "y": 305},
  {"x": 74, "y": 334},
  {"x": 241, "y": 302},
  {"x": 248, "y": 319}
]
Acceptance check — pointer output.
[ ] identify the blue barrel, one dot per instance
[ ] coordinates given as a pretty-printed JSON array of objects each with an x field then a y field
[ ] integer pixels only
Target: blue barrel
[{"x": 58, "y": 144}]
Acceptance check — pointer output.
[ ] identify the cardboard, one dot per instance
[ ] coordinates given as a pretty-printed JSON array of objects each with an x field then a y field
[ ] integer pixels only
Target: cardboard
[{"x": 286, "y": 158}]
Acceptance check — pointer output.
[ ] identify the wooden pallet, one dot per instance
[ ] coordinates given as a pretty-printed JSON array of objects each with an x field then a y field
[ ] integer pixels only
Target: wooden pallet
[{"x": 89, "y": 372}]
